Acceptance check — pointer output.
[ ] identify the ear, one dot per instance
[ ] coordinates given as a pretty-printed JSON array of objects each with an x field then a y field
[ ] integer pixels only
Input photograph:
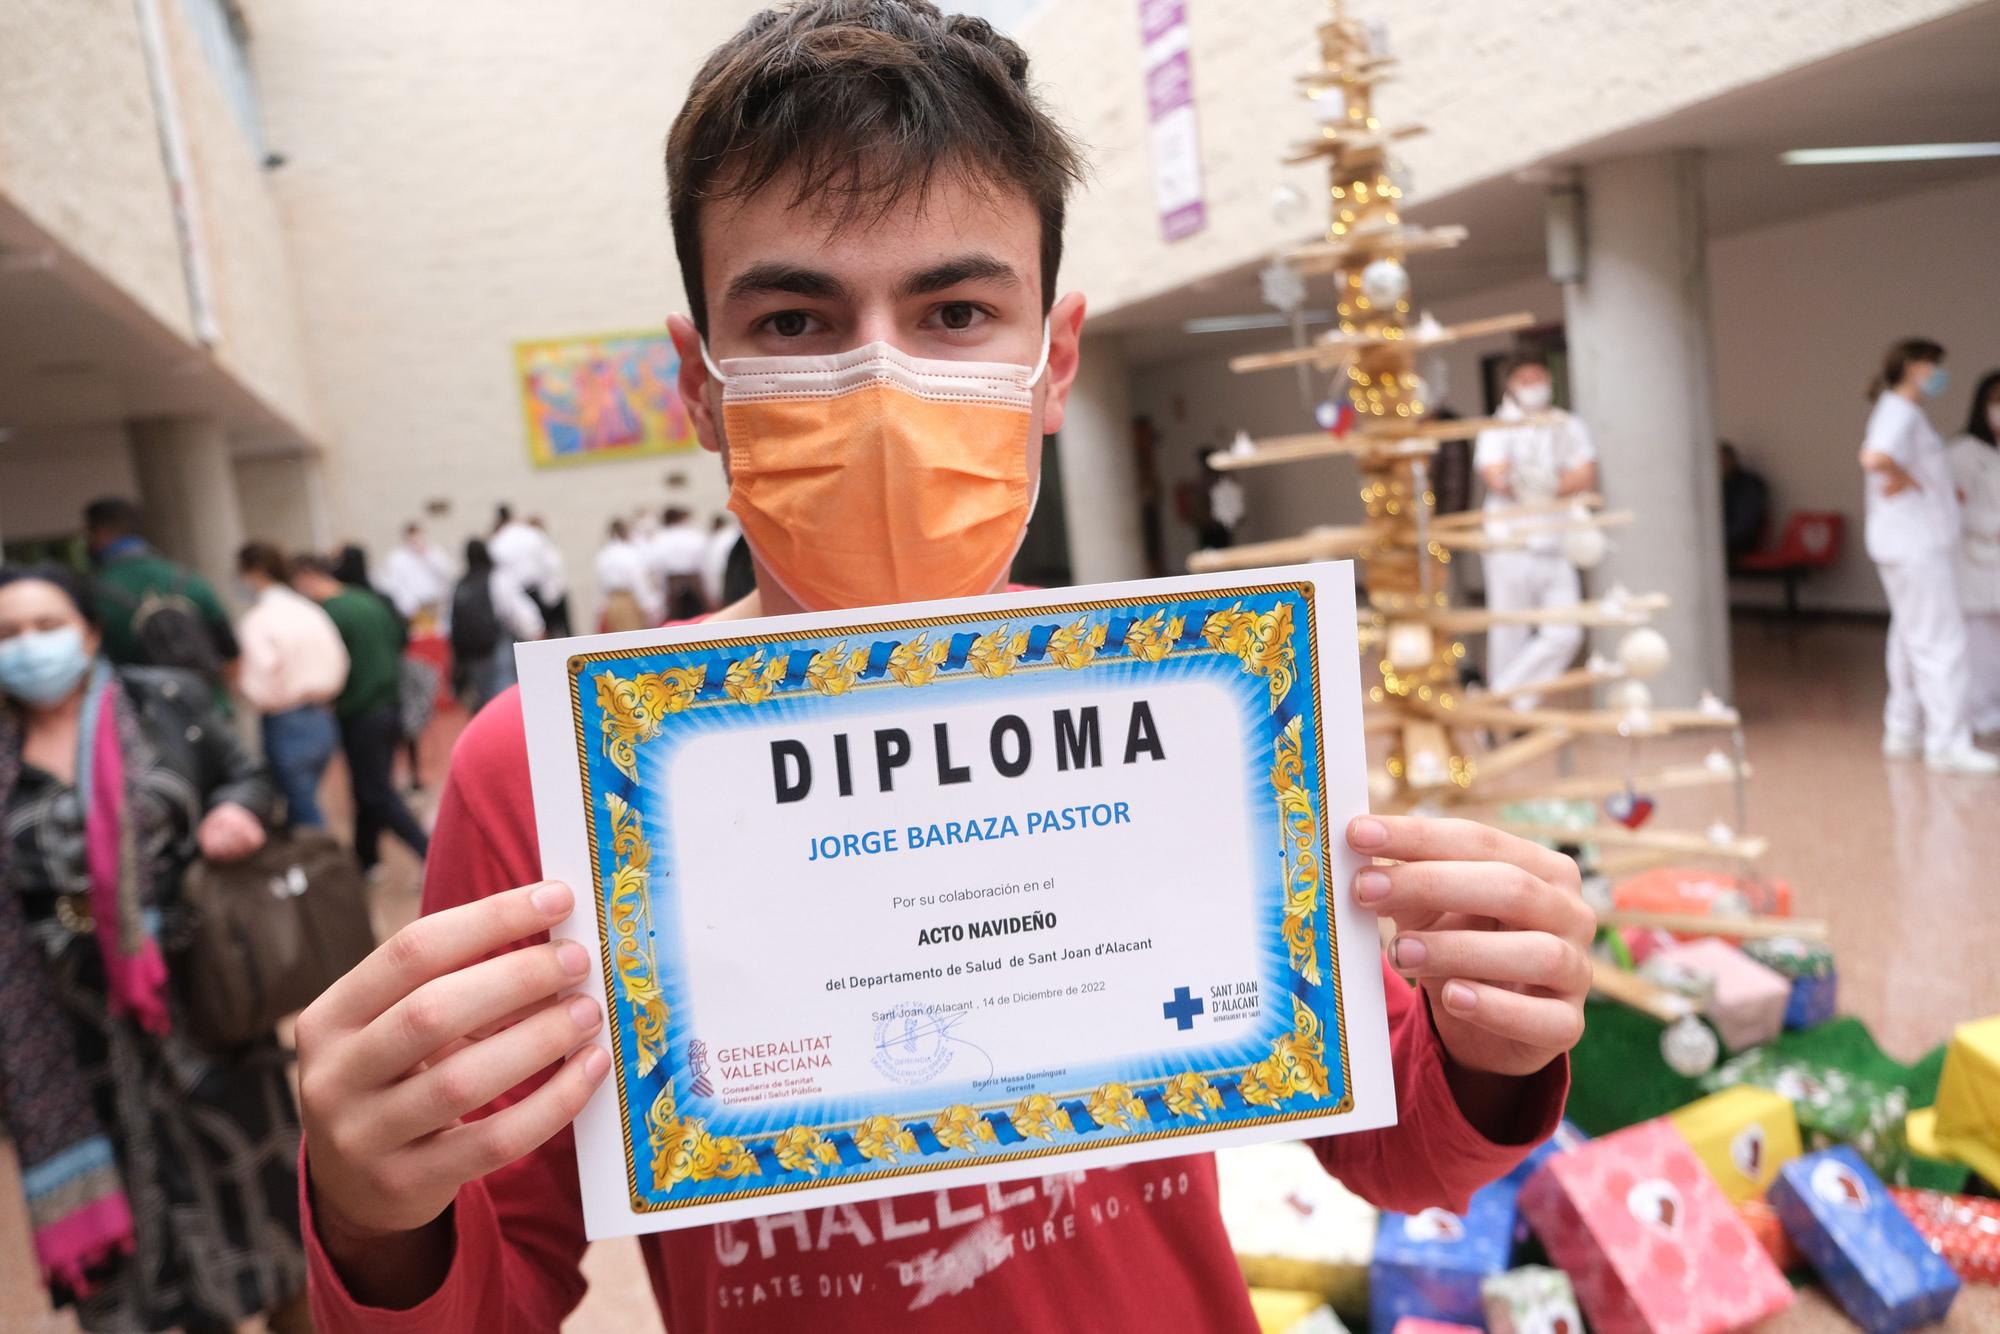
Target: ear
[
  {"x": 1065, "y": 337},
  {"x": 694, "y": 381}
]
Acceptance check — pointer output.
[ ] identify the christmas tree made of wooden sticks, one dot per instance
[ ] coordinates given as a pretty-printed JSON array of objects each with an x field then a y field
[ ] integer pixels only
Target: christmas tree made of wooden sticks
[{"x": 1442, "y": 756}]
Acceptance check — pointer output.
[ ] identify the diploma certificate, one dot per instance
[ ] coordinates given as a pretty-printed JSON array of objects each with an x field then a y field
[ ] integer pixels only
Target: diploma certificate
[{"x": 895, "y": 900}]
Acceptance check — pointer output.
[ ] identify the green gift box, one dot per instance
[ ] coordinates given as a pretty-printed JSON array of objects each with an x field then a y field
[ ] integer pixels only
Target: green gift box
[{"x": 1833, "y": 1106}]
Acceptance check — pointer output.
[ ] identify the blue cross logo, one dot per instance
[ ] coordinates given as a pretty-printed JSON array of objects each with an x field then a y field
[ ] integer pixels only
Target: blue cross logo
[{"x": 1182, "y": 1009}]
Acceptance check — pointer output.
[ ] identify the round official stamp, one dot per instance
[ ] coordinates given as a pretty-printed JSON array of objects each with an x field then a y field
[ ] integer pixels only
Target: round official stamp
[{"x": 911, "y": 1045}]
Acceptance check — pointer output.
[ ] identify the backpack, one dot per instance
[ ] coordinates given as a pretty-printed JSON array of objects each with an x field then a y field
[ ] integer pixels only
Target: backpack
[
  {"x": 171, "y": 632},
  {"x": 475, "y": 627}
]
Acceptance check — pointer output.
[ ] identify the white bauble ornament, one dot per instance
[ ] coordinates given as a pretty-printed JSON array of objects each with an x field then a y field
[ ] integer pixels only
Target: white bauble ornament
[
  {"x": 1288, "y": 205},
  {"x": 1426, "y": 769},
  {"x": 1411, "y": 646},
  {"x": 1585, "y": 547},
  {"x": 1644, "y": 653},
  {"x": 1689, "y": 1047},
  {"x": 1630, "y": 697},
  {"x": 1385, "y": 282},
  {"x": 1381, "y": 787},
  {"x": 1331, "y": 107},
  {"x": 1282, "y": 286}
]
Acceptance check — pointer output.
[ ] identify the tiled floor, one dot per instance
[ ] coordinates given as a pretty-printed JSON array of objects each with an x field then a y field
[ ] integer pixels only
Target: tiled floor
[{"x": 1903, "y": 866}]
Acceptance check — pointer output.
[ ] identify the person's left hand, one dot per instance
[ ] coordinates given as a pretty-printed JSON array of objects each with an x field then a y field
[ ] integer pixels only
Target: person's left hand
[
  {"x": 229, "y": 833},
  {"x": 1494, "y": 928}
]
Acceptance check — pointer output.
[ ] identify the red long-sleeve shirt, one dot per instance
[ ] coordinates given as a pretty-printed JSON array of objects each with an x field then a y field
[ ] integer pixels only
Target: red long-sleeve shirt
[{"x": 1118, "y": 1249}]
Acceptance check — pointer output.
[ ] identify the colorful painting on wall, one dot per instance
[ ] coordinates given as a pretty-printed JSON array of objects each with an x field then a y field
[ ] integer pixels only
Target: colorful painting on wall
[{"x": 601, "y": 397}]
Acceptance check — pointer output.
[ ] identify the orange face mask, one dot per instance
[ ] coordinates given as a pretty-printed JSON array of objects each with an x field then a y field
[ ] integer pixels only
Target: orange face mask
[{"x": 872, "y": 477}]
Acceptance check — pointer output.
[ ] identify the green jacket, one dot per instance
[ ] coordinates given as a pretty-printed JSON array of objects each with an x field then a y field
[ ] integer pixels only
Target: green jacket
[
  {"x": 375, "y": 639},
  {"x": 125, "y": 580}
]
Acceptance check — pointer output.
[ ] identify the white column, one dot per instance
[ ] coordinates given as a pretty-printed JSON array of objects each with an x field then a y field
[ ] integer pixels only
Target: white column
[
  {"x": 187, "y": 490},
  {"x": 1639, "y": 347},
  {"x": 1100, "y": 475}
]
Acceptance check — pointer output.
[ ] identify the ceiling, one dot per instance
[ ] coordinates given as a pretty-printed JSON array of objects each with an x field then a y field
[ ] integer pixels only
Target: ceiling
[
  {"x": 76, "y": 350},
  {"x": 1936, "y": 83}
]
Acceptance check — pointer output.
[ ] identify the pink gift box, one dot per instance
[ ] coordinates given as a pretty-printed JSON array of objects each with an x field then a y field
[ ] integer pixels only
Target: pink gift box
[
  {"x": 1651, "y": 1243},
  {"x": 1642, "y": 943},
  {"x": 1411, "y": 1324},
  {"x": 1750, "y": 999}
]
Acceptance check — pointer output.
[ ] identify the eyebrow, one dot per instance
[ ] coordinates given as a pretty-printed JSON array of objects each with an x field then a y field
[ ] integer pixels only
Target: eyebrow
[
  {"x": 978, "y": 266},
  {"x": 772, "y": 276}
]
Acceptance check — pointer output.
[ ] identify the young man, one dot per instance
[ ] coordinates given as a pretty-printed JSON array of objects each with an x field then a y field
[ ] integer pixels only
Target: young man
[
  {"x": 864, "y": 183},
  {"x": 294, "y": 665},
  {"x": 417, "y": 577},
  {"x": 368, "y": 708},
  {"x": 1533, "y": 463}
]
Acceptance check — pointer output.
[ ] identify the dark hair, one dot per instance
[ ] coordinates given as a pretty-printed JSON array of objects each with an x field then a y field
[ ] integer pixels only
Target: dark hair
[
  {"x": 311, "y": 562},
  {"x": 502, "y": 516},
  {"x": 863, "y": 102},
  {"x": 113, "y": 514},
  {"x": 1520, "y": 361},
  {"x": 477, "y": 557},
  {"x": 74, "y": 586},
  {"x": 1898, "y": 360},
  {"x": 618, "y": 529},
  {"x": 350, "y": 565},
  {"x": 674, "y": 514},
  {"x": 265, "y": 559},
  {"x": 1981, "y": 426}
]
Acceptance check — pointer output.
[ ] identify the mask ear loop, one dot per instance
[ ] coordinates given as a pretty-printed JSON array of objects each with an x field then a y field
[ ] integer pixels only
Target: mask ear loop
[
  {"x": 1041, "y": 362},
  {"x": 714, "y": 371}
]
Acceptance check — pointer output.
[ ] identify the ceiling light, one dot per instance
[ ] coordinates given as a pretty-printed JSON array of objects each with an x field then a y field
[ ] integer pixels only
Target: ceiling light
[
  {"x": 1240, "y": 323},
  {"x": 1828, "y": 157}
]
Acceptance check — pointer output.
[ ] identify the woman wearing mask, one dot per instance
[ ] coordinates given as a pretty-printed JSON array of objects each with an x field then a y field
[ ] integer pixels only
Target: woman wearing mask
[
  {"x": 1975, "y": 465},
  {"x": 161, "y": 1180},
  {"x": 1912, "y": 536}
]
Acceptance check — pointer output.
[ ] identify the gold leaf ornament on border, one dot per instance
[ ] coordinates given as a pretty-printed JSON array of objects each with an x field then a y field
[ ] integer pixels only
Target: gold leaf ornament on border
[
  {"x": 1074, "y": 645},
  {"x": 1115, "y": 1105},
  {"x": 915, "y": 662},
  {"x": 1153, "y": 638},
  {"x": 1262, "y": 642},
  {"x": 631, "y": 935},
  {"x": 1190, "y": 1094},
  {"x": 751, "y": 681},
  {"x": 1301, "y": 868},
  {"x": 1297, "y": 1064},
  {"x": 833, "y": 671},
  {"x": 1038, "y": 1116},
  {"x": 634, "y": 707},
  {"x": 961, "y": 1127},
  {"x": 882, "y": 1138},
  {"x": 685, "y": 1151},
  {"x": 995, "y": 653},
  {"x": 804, "y": 1149}
]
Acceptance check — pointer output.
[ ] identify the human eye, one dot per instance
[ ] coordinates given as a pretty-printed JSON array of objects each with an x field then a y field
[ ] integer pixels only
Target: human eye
[
  {"x": 958, "y": 317},
  {"x": 791, "y": 324}
]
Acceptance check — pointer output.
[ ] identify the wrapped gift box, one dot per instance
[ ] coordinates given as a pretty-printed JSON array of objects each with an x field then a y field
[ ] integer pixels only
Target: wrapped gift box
[
  {"x": 1832, "y": 1106},
  {"x": 1532, "y": 1300},
  {"x": 1762, "y": 1220},
  {"x": 1748, "y": 1006},
  {"x": 1808, "y": 966},
  {"x": 1742, "y": 1135},
  {"x": 1293, "y": 1226},
  {"x": 1651, "y": 1243},
  {"x": 1567, "y": 1137},
  {"x": 1411, "y": 1324},
  {"x": 1431, "y": 1264},
  {"x": 1688, "y": 889},
  {"x": 1968, "y": 1101},
  {"x": 1964, "y": 1230},
  {"x": 1280, "y": 1311},
  {"x": 1879, "y": 1267},
  {"x": 1643, "y": 942}
]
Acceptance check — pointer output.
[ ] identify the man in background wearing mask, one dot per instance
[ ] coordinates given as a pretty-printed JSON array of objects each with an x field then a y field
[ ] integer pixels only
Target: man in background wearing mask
[
  {"x": 867, "y": 202},
  {"x": 1531, "y": 464}
]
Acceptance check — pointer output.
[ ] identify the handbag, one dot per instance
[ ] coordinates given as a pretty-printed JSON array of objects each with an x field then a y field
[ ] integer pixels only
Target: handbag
[{"x": 267, "y": 934}]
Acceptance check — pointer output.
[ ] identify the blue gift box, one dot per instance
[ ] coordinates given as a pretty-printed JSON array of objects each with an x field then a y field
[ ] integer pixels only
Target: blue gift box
[
  {"x": 1814, "y": 1001},
  {"x": 1840, "y": 1216},
  {"x": 1430, "y": 1264},
  {"x": 1567, "y": 1137}
]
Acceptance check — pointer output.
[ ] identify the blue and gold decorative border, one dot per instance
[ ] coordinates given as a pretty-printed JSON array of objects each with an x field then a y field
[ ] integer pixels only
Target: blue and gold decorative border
[{"x": 1270, "y": 629}]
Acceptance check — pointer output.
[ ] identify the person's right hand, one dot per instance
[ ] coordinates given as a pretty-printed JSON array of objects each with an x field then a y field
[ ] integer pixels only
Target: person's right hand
[
  {"x": 1896, "y": 481},
  {"x": 425, "y": 1031}
]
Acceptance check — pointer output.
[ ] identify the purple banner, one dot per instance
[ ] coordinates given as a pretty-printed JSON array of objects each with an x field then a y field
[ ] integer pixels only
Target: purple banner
[{"x": 1178, "y": 194}]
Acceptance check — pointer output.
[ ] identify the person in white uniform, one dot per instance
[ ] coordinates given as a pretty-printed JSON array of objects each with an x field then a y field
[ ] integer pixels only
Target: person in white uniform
[
  {"x": 1975, "y": 466},
  {"x": 675, "y": 554},
  {"x": 631, "y": 598},
  {"x": 1912, "y": 525},
  {"x": 1537, "y": 461},
  {"x": 417, "y": 576}
]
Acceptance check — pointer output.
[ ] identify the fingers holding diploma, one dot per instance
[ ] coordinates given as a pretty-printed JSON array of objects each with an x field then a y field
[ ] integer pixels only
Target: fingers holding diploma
[{"x": 1492, "y": 926}]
